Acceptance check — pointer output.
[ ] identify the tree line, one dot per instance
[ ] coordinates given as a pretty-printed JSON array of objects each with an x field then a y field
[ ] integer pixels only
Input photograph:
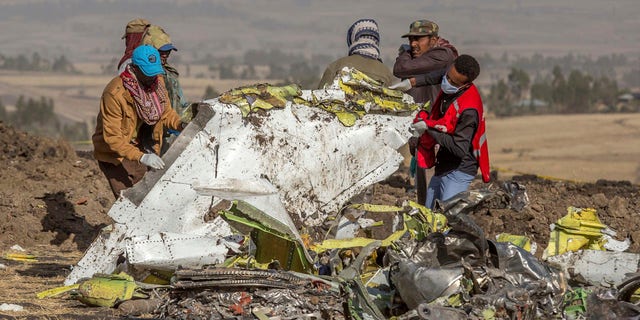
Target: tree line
[
  {"x": 567, "y": 84},
  {"x": 37, "y": 116},
  {"x": 283, "y": 66},
  {"x": 535, "y": 84},
  {"x": 575, "y": 83},
  {"x": 36, "y": 63},
  {"x": 556, "y": 92}
]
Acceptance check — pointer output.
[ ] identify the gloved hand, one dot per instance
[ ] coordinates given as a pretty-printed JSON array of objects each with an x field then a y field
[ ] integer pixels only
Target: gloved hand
[
  {"x": 403, "y": 48},
  {"x": 403, "y": 85},
  {"x": 152, "y": 160},
  {"x": 419, "y": 128},
  {"x": 413, "y": 144}
]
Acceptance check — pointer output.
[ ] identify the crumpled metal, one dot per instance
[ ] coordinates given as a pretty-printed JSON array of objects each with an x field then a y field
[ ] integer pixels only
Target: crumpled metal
[
  {"x": 260, "y": 96},
  {"x": 521, "y": 265},
  {"x": 517, "y": 192},
  {"x": 603, "y": 304},
  {"x": 354, "y": 94},
  {"x": 417, "y": 284},
  {"x": 524, "y": 270},
  {"x": 594, "y": 267},
  {"x": 439, "y": 261},
  {"x": 504, "y": 276},
  {"x": 430, "y": 312},
  {"x": 510, "y": 300},
  {"x": 462, "y": 202}
]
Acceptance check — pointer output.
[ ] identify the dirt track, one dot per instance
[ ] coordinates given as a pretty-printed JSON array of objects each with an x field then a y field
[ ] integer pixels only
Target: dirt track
[{"x": 53, "y": 202}]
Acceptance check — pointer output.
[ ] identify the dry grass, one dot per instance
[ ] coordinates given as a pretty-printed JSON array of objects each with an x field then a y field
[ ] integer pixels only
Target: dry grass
[
  {"x": 20, "y": 282},
  {"x": 574, "y": 147}
]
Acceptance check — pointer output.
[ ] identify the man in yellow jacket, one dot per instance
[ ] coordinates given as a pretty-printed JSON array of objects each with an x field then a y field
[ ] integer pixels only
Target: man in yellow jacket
[{"x": 133, "y": 110}]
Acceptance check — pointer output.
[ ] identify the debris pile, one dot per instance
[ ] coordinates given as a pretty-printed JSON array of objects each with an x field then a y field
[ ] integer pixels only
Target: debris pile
[
  {"x": 435, "y": 265},
  {"x": 224, "y": 293},
  {"x": 245, "y": 235},
  {"x": 254, "y": 216}
]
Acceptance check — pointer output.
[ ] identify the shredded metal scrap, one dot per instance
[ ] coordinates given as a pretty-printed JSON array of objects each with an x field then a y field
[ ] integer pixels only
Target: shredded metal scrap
[
  {"x": 224, "y": 293},
  {"x": 229, "y": 277}
]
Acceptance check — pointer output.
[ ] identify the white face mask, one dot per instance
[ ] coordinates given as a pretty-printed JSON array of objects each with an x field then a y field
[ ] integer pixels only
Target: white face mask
[{"x": 447, "y": 87}]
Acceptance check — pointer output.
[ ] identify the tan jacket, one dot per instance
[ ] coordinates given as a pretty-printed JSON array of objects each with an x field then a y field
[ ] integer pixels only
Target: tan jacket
[{"x": 117, "y": 123}]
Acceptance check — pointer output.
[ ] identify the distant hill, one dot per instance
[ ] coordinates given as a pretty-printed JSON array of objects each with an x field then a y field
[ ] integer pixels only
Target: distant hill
[{"x": 90, "y": 30}]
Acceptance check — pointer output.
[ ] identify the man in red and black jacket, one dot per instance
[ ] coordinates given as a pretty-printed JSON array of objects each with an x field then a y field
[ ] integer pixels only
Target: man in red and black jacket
[{"x": 464, "y": 150}]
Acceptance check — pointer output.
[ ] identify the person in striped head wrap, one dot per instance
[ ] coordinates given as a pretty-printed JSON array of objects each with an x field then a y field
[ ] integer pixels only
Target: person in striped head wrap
[{"x": 363, "y": 41}]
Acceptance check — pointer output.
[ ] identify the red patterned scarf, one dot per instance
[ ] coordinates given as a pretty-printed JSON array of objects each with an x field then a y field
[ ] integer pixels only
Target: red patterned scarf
[
  {"x": 132, "y": 41},
  {"x": 149, "y": 103}
]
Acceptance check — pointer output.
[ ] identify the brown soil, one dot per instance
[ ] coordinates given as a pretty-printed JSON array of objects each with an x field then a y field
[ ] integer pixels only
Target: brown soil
[
  {"x": 49, "y": 195},
  {"x": 616, "y": 202},
  {"x": 53, "y": 202}
]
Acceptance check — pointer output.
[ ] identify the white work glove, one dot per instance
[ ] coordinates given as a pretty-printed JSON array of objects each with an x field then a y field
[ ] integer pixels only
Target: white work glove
[
  {"x": 152, "y": 160},
  {"x": 418, "y": 128},
  {"x": 403, "y": 85}
]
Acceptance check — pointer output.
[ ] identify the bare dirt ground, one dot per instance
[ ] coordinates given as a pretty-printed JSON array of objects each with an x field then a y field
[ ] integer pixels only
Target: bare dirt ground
[
  {"x": 584, "y": 147},
  {"x": 53, "y": 202}
]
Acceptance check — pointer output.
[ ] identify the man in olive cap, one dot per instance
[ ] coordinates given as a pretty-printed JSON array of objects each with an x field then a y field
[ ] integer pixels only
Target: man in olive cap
[
  {"x": 425, "y": 52},
  {"x": 134, "y": 108},
  {"x": 159, "y": 39}
]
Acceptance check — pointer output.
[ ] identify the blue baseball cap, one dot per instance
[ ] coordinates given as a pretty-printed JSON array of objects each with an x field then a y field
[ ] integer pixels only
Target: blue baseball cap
[
  {"x": 147, "y": 58},
  {"x": 168, "y": 47}
]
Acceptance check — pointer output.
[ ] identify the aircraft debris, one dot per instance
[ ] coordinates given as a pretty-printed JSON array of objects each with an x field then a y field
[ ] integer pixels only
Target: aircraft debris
[{"x": 252, "y": 218}]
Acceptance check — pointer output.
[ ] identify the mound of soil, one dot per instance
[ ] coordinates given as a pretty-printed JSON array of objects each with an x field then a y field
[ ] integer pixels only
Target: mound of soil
[
  {"x": 49, "y": 195},
  {"x": 617, "y": 204}
]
